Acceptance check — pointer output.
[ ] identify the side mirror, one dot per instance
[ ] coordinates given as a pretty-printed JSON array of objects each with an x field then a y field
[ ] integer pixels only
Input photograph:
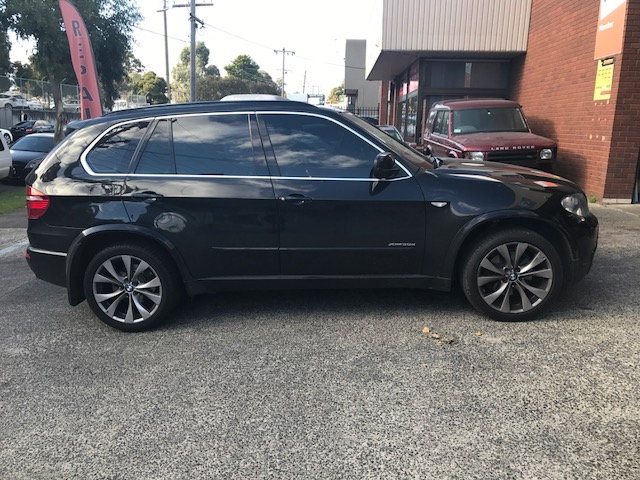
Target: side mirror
[{"x": 385, "y": 166}]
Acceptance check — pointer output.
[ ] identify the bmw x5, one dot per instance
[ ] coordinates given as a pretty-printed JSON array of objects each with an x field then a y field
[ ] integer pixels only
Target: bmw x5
[{"x": 138, "y": 208}]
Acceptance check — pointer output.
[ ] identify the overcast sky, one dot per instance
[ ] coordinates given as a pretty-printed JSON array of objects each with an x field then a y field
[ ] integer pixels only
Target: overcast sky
[{"x": 315, "y": 31}]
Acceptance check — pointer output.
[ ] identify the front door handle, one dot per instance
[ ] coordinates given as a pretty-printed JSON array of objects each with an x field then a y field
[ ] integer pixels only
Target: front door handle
[
  {"x": 147, "y": 196},
  {"x": 296, "y": 199}
]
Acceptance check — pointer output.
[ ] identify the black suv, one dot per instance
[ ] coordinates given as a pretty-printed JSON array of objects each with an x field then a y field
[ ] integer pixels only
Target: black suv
[{"x": 138, "y": 207}]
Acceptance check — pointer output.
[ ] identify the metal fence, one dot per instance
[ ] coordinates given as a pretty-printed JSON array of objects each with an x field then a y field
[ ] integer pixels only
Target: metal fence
[
  {"x": 368, "y": 112},
  {"x": 39, "y": 92}
]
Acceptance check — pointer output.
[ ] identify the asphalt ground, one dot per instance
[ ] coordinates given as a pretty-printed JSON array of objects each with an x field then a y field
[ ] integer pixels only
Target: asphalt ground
[{"x": 326, "y": 384}]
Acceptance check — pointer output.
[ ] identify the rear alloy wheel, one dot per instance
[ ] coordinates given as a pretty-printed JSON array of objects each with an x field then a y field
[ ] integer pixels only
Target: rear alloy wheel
[
  {"x": 512, "y": 275},
  {"x": 130, "y": 288}
]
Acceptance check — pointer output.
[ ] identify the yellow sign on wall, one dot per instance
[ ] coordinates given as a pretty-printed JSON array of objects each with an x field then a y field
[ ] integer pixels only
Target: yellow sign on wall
[{"x": 604, "y": 80}]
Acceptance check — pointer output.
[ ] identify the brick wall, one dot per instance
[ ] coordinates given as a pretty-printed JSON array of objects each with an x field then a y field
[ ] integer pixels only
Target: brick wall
[{"x": 598, "y": 142}]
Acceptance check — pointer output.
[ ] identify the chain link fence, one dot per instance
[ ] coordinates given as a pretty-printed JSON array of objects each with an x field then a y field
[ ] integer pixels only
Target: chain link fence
[{"x": 38, "y": 93}]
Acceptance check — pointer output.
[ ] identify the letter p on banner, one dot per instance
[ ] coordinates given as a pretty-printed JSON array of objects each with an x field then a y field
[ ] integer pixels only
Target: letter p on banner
[{"x": 83, "y": 61}]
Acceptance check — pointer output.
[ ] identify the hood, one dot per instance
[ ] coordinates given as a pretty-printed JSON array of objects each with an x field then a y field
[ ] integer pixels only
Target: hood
[
  {"x": 512, "y": 175},
  {"x": 489, "y": 141}
]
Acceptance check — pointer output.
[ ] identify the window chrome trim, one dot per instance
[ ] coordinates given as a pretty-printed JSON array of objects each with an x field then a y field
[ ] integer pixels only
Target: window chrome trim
[
  {"x": 151, "y": 120},
  {"x": 320, "y": 115},
  {"x": 47, "y": 252},
  {"x": 91, "y": 146}
]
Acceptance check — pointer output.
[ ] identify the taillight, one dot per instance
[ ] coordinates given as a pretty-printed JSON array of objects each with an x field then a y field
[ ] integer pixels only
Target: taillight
[
  {"x": 37, "y": 203},
  {"x": 29, "y": 130}
]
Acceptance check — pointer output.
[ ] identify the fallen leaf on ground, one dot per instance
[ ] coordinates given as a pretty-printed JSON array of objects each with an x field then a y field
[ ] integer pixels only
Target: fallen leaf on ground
[
  {"x": 479, "y": 334},
  {"x": 435, "y": 335},
  {"x": 439, "y": 344},
  {"x": 425, "y": 330}
]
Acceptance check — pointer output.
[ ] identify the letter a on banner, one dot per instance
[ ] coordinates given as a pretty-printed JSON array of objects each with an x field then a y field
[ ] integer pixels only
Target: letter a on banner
[{"x": 84, "y": 64}]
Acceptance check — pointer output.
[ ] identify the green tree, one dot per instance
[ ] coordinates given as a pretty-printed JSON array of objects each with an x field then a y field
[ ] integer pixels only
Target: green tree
[
  {"x": 244, "y": 68},
  {"x": 181, "y": 73},
  {"x": 5, "y": 45},
  {"x": 151, "y": 86},
  {"x": 336, "y": 93},
  {"x": 109, "y": 23}
]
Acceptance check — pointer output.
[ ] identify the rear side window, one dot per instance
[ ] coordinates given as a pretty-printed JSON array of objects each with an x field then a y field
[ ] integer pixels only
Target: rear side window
[
  {"x": 214, "y": 145},
  {"x": 157, "y": 157},
  {"x": 113, "y": 153},
  {"x": 442, "y": 123}
]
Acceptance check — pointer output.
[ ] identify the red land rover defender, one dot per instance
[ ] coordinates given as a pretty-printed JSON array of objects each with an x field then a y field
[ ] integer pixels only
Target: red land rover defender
[{"x": 486, "y": 129}]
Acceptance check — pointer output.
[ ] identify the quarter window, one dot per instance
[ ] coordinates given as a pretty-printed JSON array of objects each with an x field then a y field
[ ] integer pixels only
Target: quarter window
[
  {"x": 114, "y": 151},
  {"x": 309, "y": 146}
]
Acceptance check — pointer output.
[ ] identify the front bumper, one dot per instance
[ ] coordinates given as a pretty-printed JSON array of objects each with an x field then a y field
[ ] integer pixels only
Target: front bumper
[{"x": 586, "y": 234}]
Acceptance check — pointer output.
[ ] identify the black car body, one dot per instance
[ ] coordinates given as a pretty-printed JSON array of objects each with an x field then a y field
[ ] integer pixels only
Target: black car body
[
  {"x": 139, "y": 205},
  {"x": 31, "y": 126},
  {"x": 27, "y": 153}
]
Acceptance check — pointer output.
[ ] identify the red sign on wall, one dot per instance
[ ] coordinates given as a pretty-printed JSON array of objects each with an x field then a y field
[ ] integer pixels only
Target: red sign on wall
[{"x": 610, "y": 28}]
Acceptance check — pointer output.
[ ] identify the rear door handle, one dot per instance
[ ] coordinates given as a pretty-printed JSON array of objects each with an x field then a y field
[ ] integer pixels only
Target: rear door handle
[{"x": 296, "y": 199}]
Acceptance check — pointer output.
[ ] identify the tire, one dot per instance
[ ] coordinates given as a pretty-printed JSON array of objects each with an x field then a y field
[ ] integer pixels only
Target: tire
[
  {"x": 7, "y": 138},
  {"x": 512, "y": 275},
  {"x": 113, "y": 287}
]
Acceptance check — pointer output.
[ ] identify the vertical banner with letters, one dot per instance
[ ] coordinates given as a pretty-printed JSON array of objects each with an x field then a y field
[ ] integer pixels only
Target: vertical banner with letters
[{"x": 83, "y": 62}]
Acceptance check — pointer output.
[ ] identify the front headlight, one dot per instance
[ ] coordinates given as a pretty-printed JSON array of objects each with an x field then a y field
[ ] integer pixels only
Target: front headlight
[
  {"x": 477, "y": 156},
  {"x": 546, "y": 154},
  {"x": 576, "y": 204}
]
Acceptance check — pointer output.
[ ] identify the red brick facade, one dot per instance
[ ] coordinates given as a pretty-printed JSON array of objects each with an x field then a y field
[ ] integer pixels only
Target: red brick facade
[{"x": 598, "y": 142}]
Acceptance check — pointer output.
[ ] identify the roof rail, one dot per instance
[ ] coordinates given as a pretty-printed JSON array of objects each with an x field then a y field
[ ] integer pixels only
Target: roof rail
[{"x": 251, "y": 97}]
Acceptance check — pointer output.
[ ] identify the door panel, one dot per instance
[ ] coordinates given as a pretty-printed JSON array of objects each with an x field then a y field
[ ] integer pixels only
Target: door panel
[
  {"x": 202, "y": 184},
  {"x": 334, "y": 218},
  {"x": 350, "y": 227}
]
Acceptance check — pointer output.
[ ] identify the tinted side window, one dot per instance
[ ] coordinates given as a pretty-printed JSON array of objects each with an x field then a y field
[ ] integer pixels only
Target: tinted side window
[
  {"x": 113, "y": 152},
  {"x": 308, "y": 146},
  {"x": 442, "y": 123},
  {"x": 214, "y": 145},
  {"x": 157, "y": 157}
]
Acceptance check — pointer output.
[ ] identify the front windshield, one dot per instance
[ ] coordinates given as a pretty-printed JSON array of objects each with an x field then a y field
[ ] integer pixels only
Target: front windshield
[
  {"x": 475, "y": 120},
  {"x": 411, "y": 155},
  {"x": 34, "y": 144},
  {"x": 393, "y": 132}
]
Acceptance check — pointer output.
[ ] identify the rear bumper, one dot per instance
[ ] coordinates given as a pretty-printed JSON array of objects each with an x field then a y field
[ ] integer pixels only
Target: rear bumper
[{"x": 47, "y": 265}]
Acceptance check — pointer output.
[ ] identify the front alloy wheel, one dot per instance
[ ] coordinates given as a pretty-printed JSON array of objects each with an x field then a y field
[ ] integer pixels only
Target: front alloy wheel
[
  {"x": 513, "y": 275},
  {"x": 130, "y": 288}
]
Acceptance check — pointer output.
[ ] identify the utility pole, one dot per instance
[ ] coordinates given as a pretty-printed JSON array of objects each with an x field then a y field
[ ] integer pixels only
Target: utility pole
[
  {"x": 166, "y": 50},
  {"x": 304, "y": 81},
  {"x": 284, "y": 53},
  {"x": 194, "y": 20}
]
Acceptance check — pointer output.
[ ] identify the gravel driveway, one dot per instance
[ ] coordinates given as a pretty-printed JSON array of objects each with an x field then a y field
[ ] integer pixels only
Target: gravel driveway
[{"x": 326, "y": 384}]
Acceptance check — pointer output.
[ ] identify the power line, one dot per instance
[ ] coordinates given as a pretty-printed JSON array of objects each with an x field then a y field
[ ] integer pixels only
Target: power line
[{"x": 161, "y": 34}]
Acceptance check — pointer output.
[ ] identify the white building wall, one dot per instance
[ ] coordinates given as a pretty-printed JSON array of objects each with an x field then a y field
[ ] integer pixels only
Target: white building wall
[
  {"x": 354, "y": 74},
  {"x": 456, "y": 25}
]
